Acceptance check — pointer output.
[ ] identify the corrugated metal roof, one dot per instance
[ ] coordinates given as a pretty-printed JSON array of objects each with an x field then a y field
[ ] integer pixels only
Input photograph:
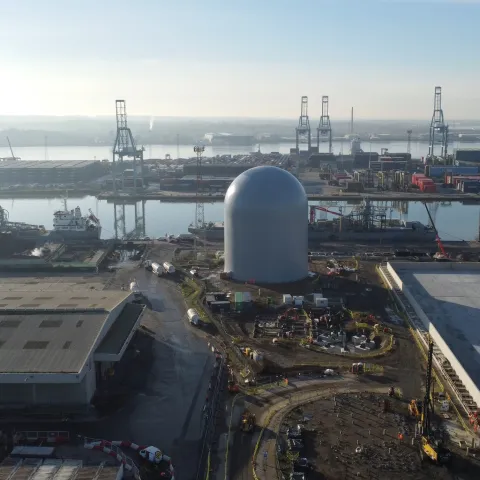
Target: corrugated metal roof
[{"x": 30, "y": 347}]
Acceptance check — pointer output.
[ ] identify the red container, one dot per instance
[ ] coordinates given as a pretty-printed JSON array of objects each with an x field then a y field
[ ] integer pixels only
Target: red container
[
  {"x": 425, "y": 181},
  {"x": 416, "y": 177},
  {"x": 428, "y": 188}
]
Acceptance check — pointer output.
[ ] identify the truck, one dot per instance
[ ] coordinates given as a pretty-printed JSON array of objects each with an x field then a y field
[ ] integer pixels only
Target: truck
[
  {"x": 156, "y": 268},
  {"x": 248, "y": 421},
  {"x": 168, "y": 267},
  {"x": 135, "y": 289},
  {"x": 193, "y": 317}
]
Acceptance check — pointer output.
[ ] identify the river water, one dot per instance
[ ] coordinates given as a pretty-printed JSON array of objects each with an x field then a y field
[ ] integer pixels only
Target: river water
[
  {"x": 454, "y": 222},
  {"x": 419, "y": 149}
]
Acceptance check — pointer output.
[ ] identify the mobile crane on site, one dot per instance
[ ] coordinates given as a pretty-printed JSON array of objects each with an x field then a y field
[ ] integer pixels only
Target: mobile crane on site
[
  {"x": 442, "y": 255},
  {"x": 430, "y": 445}
]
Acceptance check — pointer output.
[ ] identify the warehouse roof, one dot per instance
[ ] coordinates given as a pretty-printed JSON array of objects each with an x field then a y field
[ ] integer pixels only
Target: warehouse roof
[
  {"x": 58, "y": 300},
  {"x": 50, "y": 164},
  {"x": 47, "y": 343},
  {"x": 121, "y": 329},
  {"x": 63, "y": 283},
  {"x": 449, "y": 295}
]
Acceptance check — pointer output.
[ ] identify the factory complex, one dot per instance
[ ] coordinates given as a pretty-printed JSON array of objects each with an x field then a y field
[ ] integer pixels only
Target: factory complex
[
  {"x": 59, "y": 337},
  {"x": 443, "y": 300}
]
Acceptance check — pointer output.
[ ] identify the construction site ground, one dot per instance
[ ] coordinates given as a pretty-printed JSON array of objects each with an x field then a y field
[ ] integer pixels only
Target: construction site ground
[
  {"x": 349, "y": 436},
  {"x": 363, "y": 292}
]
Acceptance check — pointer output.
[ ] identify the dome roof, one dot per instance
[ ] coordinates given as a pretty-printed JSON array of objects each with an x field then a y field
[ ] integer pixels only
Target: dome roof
[{"x": 266, "y": 186}]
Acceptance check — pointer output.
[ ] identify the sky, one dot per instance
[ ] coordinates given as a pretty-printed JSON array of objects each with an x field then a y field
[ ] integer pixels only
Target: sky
[{"x": 240, "y": 58}]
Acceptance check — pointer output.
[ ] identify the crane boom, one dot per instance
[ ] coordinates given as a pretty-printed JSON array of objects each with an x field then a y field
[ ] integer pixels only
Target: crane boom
[
  {"x": 11, "y": 149},
  {"x": 437, "y": 236},
  {"x": 323, "y": 209}
]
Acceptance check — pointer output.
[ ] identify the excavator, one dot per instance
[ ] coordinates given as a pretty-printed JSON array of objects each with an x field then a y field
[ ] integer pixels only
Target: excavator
[
  {"x": 430, "y": 445},
  {"x": 248, "y": 422}
]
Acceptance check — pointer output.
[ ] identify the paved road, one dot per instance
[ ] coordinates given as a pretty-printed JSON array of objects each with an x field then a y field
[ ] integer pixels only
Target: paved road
[{"x": 168, "y": 413}]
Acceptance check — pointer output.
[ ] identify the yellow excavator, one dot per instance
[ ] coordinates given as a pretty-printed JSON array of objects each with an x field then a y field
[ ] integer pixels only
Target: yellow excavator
[
  {"x": 431, "y": 446},
  {"x": 248, "y": 422}
]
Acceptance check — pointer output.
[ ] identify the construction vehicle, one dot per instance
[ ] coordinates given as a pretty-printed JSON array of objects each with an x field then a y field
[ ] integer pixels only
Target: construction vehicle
[
  {"x": 248, "y": 422},
  {"x": 233, "y": 387},
  {"x": 415, "y": 408},
  {"x": 431, "y": 446},
  {"x": 442, "y": 255}
]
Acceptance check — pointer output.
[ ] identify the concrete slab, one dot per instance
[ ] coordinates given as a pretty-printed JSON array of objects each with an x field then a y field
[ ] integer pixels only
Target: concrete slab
[{"x": 449, "y": 296}]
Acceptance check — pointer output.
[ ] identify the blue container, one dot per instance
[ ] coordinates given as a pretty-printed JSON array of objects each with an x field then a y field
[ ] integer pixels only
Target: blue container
[{"x": 439, "y": 171}]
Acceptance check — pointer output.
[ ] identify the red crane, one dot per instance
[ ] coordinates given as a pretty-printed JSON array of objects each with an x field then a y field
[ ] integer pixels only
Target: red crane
[
  {"x": 323, "y": 209},
  {"x": 437, "y": 236}
]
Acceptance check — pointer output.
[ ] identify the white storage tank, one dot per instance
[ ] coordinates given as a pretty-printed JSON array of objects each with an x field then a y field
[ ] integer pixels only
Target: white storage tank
[
  {"x": 321, "y": 302},
  {"x": 287, "y": 299},
  {"x": 266, "y": 227},
  {"x": 257, "y": 356},
  {"x": 193, "y": 316},
  {"x": 298, "y": 301},
  {"x": 168, "y": 267}
]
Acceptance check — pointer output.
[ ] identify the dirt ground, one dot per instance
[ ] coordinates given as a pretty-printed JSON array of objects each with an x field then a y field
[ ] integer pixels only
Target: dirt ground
[
  {"x": 359, "y": 291},
  {"x": 350, "y": 436}
]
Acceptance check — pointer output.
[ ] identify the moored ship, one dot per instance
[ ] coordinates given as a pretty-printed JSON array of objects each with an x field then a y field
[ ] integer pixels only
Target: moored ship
[
  {"x": 71, "y": 224},
  {"x": 365, "y": 224}
]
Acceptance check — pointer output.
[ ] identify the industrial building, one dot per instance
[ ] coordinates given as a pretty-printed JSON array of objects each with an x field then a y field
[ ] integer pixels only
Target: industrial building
[
  {"x": 224, "y": 139},
  {"x": 445, "y": 298},
  {"x": 190, "y": 183},
  {"x": 59, "y": 337},
  {"x": 50, "y": 172},
  {"x": 266, "y": 227},
  {"x": 218, "y": 170}
]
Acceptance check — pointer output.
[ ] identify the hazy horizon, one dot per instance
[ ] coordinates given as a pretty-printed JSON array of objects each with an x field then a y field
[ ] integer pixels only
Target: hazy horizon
[{"x": 211, "y": 59}]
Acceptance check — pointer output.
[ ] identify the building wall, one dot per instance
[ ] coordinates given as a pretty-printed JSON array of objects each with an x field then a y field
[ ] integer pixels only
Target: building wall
[
  {"x": 44, "y": 393},
  {"x": 437, "y": 338}
]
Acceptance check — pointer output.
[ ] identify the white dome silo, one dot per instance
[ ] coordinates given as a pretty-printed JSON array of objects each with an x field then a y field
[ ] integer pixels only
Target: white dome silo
[{"x": 266, "y": 227}]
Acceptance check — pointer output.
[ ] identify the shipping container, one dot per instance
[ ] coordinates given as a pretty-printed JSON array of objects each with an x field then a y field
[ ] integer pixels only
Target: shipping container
[
  {"x": 438, "y": 171},
  {"x": 428, "y": 188},
  {"x": 458, "y": 180},
  {"x": 467, "y": 155}
]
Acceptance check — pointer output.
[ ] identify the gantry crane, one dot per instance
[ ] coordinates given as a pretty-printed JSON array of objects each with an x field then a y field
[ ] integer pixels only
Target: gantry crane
[
  {"x": 303, "y": 131},
  {"x": 438, "y": 129},
  {"x": 324, "y": 127},
  {"x": 125, "y": 147}
]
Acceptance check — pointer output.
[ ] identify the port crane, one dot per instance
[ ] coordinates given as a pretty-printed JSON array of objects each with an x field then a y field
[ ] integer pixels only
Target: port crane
[
  {"x": 313, "y": 208},
  {"x": 430, "y": 445},
  {"x": 443, "y": 255}
]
